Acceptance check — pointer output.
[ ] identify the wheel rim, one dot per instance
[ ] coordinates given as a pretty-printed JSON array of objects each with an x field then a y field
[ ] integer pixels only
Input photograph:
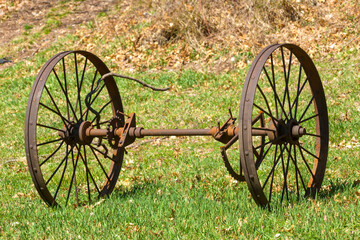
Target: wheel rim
[
  {"x": 283, "y": 85},
  {"x": 64, "y": 169}
]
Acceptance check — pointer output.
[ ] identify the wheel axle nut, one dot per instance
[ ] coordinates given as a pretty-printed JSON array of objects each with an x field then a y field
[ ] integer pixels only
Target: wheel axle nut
[{"x": 298, "y": 131}]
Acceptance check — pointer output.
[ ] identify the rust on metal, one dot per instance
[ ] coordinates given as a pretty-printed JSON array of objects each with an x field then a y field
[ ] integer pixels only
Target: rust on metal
[{"x": 268, "y": 136}]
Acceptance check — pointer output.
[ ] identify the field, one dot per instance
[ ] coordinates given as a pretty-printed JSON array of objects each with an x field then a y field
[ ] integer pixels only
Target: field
[{"x": 178, "y": 187}]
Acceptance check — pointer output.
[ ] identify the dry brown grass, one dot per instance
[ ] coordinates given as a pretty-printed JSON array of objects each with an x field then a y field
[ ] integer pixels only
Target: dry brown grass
[
  {"x": 197, "y": 30},
  {"x": 216, "y": 35}
]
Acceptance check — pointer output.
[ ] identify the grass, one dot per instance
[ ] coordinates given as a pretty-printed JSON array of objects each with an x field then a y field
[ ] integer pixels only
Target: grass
[{"x": 178, "y": 187}]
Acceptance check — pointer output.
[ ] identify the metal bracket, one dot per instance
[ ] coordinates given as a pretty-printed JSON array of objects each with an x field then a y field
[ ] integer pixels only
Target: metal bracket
[
  {"x": 125, "y": 138},
  {"x": 227, "y": 131}
]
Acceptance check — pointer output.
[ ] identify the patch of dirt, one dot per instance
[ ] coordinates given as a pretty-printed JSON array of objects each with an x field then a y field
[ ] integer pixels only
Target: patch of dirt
[{"x": 16, "y": 15}]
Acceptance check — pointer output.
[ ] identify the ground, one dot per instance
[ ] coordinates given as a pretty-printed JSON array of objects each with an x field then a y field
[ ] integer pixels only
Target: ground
[
  {"x": 178, "y": 187},
  {"x": 18, "y": 16}
]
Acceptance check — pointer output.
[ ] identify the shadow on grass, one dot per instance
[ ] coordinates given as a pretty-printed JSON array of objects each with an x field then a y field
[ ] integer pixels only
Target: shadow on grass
[
  {"x": 134, "y": 190},
  {"x": 337, "y": 186}
]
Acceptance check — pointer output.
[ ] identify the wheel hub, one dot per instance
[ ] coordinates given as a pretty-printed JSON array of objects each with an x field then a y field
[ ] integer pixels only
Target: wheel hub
[
  {"x": 283, "y": 132},
  {"x": 74, "y": 133}
]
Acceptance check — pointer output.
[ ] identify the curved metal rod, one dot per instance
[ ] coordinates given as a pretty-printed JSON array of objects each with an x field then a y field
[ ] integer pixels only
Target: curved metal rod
[
  {"x": 87, "y": 101},
  {"x": 134, "y": 79}
]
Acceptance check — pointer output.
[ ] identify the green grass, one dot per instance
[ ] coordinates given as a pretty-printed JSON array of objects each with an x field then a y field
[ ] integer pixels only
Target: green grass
[{"x": 179, "y": 187}]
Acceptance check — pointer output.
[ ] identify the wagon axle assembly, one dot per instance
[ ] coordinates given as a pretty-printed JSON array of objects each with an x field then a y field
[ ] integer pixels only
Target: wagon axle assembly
[
  {"x": 76, "y": 131},
  {"x": 122, "y": 136}
]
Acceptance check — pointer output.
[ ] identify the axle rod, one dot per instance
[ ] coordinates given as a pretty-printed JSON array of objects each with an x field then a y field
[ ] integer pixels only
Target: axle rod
[
  {"x": 124, "y": 136},
  {"x": 177, "y": 132},
  {"x": 141, "y": 132}
]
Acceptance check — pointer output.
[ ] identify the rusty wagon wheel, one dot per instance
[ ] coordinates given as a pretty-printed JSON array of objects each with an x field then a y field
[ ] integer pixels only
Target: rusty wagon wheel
[
  {"x": 284, "y": 85},
  {"x": 65, "y": 168}
]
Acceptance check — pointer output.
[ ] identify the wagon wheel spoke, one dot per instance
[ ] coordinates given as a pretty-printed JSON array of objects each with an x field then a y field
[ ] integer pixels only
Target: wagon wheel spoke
[
  {"x": 297, "y": 171},
  {"x": 88, "y": 172},
  {"x": 273, "y": 86},
  {"x": 73, "y": 178},
  {"x": 271, "y": 174},
  {"x": 57, "y": 168},
  {"x": 62, "y": 175},
  {"x": 262, "y": 157},
  {"x": 52, "y": 154},
  {"x": 285, "y": 173},
  {"x": 65, "y": 169},
  {"x": 274, "y": 165},
  {"x": 284, "y": 86},
  {"x": 64, "y": 91}
]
